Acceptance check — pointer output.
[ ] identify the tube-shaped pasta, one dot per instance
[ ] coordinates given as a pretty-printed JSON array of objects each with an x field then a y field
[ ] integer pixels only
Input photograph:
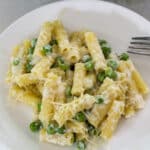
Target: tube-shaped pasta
[
  {"x": 134, "y": 100},
  {"x": 40, "y": 86},
  {"x": 83, "y": 51},
  {"x": 70, "y": 109},
  {"x": 22, "y": 49},
  {"x": 77, "y": 127},
  {"x": 57, "y": 71},
  {"x": 135, "y": 75},
  {"x": 110, "y": 124},
  {"x": 47, "y": 112},
  {"x": 43, "y": 39},
  {"x": 69, "y": 77},
  {"x": 24, "y": 96},
  {"x": 78, "y": 78},
  {"x": 65, "y": 139},
  {"x": 10, "y": 70},
  {"x": 95, "y": 51},
  {"x": 77, "y": 48},
  {"x": 78, "y": 38},
  {"x": 61, "y": 87},
  {"x": 73, "y": 55},
  {"x": 62, "y": 37},
  {"x": 99, "y": 111},
  {"x": 49, "y": 95},
  {"x": 111, "y": 87},
  {"x": 19, "y": 54},
  {"x": 89, "y": 81},
  {"x": 50, "y": 89},
  {"x": 25, "y": 80},
  {"x": 41, "y": 69},
  {"x": 141, "y": 85}
]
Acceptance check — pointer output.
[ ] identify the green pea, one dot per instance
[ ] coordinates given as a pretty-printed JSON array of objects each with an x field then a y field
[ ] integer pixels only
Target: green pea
[
  {"x": 86, "y": 58},
  {"x": 124, "y": 56},
  {"x": 89, "y": 65},
  {"x": 113, "y": 64},
  {"x": 52, "y": 128},
  {"x": 99, "y": 100},
  {"x": 81, "y": 145},
  {"x": 68, "y": 91},
  {"x": 101, "y": 76},
  {"x": 114, "y": 75},
  {"x": 33, "y": 42},
  {"x": 62, "y": 64},
  {"x": 110, "y": 73},
  {"x": 80, "y": 117},
  {"x": 91, "y": 130},
  {"x": 106, "y": 50},
  {"x": 47, "y": 49},
  {"x": 54, "y": 42},
  {"x": 35, "y": 126},
  {"x": 61, "y": 130},
  {"x": 28, "y": 67},
  {"x": 16, "y": 61},
  {"x": 101, "y": 42},
  {"x": 39, "y": 107}
]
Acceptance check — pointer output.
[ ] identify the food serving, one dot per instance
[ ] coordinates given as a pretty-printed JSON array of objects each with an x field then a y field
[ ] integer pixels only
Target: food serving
[{"x": 77, "y": 87}]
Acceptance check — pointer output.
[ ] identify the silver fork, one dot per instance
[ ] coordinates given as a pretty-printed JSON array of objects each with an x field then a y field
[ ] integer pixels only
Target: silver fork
[{"x": 140, "y": 46}]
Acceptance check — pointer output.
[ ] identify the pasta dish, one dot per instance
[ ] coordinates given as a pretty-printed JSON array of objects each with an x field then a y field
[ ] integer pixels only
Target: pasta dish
[{"x": 78, "y": 88}]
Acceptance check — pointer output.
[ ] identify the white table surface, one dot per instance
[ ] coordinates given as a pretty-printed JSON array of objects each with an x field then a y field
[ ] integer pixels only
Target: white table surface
[{"x": 10, "y": 10}]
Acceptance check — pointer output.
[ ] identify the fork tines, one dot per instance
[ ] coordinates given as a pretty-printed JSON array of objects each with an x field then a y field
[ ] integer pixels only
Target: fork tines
[
  {"x": 141, "y": 38},
  {"x": 140, "y": 45}
]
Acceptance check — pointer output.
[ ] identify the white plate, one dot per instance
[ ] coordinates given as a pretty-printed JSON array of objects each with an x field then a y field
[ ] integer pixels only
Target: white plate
[{"x": 111, "y": 22}]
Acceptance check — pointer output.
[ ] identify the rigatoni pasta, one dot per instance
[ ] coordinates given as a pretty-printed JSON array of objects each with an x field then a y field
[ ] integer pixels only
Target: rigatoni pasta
[
  {"x": 62, "y": 37},
  {"x": 63, "y": 139},
  {"x": 95, "y": 51},
  {"x": 44, "y": 38},
  {"x": 69, "y": 110},
  {"x": 25, "y": 96},
  {"x": 73, "y": 54},
  {"x": 142, "y": 87},
  {"x": 79, "y": 74},
  {"x": 114, "y": 115},
  {"x": 77, "y": 88},
  {"x": 19, "y": 58},
  {"x": 24, "y": 80},
  {"x": 134, "y": 100}
]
